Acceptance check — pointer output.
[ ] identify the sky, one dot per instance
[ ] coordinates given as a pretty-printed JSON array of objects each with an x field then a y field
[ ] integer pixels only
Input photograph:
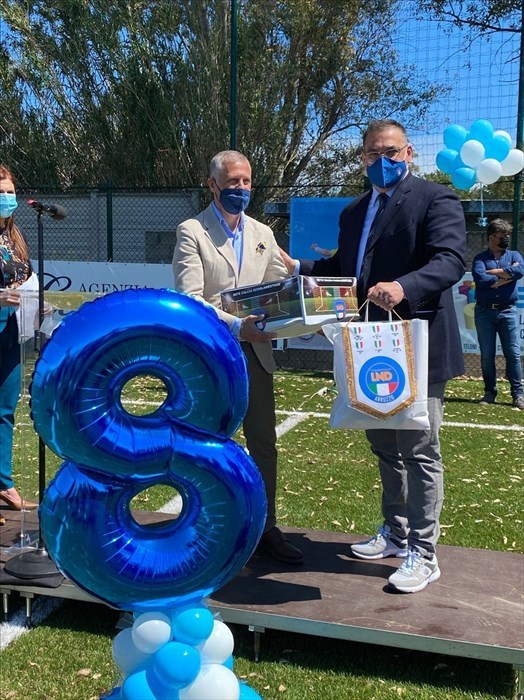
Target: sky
[{"x": 484, "y": 81}]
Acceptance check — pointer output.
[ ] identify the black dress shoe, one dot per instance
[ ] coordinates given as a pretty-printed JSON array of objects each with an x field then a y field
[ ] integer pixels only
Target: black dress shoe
[{"x": 275, "y": 544}]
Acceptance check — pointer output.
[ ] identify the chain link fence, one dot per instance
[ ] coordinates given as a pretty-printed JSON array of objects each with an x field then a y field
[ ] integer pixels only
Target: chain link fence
[{"x": 137, "y": 226}]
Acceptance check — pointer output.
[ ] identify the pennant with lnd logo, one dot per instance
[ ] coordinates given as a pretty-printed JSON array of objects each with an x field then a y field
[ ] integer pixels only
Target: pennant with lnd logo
[{"x": 380, "y": 367}]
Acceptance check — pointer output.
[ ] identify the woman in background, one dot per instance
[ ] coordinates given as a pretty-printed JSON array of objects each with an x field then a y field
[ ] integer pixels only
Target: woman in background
[{"x": 15, "y": 269}]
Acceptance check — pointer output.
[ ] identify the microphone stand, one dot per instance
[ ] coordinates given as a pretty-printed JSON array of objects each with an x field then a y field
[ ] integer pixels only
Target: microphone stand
[{"x": 37, "y": 563}]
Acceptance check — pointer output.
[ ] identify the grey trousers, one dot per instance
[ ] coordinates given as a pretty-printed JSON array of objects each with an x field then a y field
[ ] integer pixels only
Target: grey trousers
[
  {"x": 412, "y": 475},
  {"x": 260, "y": 428}
]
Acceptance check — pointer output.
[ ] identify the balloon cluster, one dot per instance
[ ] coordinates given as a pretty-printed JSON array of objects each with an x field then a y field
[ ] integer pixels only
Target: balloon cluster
[
  {"x": 184, "y": 654},
  {"x": 479, "y": 155}
]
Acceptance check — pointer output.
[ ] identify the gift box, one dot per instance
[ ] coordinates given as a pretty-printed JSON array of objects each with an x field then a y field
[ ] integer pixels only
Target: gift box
[{"x": 295, "y": 306}]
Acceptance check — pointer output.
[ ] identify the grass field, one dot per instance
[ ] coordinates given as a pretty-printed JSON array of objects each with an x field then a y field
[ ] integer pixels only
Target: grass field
[{"x": 328, "y": 481}]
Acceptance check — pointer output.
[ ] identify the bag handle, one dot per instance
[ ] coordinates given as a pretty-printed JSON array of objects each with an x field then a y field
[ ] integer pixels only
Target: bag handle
[{"x": 366, "y": 313}]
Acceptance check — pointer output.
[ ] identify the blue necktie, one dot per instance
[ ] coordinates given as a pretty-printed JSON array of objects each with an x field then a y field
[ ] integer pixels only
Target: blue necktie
[{"x": 382, "y": 201}]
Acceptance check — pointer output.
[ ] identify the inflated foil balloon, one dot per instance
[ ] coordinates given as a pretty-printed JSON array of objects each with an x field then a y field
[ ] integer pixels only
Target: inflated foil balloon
[{"x": 112, "y": 455}]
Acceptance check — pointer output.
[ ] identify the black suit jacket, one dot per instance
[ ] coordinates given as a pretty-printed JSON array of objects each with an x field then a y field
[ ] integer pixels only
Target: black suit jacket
[{"x": 419, "y": 241}]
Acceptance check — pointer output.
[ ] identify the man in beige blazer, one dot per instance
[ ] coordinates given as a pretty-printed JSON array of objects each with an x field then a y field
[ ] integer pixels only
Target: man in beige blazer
[{"x": 222, "y": 248}]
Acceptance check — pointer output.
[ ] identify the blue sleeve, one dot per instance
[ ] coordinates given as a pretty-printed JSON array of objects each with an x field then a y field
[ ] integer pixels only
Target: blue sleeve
[
  {"x": 481, "y": 277},
  {"x": 515, "y": 271}
]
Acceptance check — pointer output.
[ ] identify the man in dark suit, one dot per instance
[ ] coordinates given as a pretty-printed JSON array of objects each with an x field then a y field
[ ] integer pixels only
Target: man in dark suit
[{"x": 405, "y": 241}]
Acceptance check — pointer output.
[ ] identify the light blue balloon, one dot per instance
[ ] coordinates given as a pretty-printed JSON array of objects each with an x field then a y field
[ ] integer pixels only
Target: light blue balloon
[
  {"x": 248, "y": 693},
  {"x": 498, "y": 148},
  {"x": 464, "y": 178},
  {"x": 228, "y": 663},
  {"x": 454, "y": 136},
  {"x": 481, "y": 130},
  {"x": 136, "y": 687},
  {"x": 161, "y": 691},
  {"x": 176, "y": 665},
  {"x": 126, "y": 655},
  {"x": 446, "y": 160},
  {"x": 192, "y": 625}
]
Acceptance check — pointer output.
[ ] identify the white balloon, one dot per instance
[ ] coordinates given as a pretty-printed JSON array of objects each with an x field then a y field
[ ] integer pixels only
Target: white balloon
[
  {"x": 472, "y": 153},
  {"x": 214, "y": 682},
  {"x": 504, "y": 135},
  {"x": 151, "y": 631},
  {"x": 125, "y": 654},
  {"x": 218, "y": 646},
  {"x": 513, "y": 163},
  {"x": 489, "y": 171}
]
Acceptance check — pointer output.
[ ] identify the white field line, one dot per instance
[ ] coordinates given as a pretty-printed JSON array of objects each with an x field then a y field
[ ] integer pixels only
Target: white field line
[
  {"x": 298, "y": 416},
  {"x": 16, "y": 626},
  {"x": 290, "y": 422},
  {"x": 449, "y": 424}
]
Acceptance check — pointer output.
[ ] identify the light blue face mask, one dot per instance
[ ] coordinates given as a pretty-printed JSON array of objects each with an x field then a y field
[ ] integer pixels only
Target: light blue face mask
[
  {"x": 386, "y": 172},
  {"x": 8, "y": 204}
]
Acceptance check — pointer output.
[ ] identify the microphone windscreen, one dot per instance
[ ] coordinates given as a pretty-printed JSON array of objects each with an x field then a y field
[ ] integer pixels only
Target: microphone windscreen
[{"x": 60, "y": 213}]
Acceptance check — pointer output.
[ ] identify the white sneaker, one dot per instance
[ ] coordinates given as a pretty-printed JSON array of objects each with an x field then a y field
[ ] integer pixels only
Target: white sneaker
[
  {"x": 379, "y": 546},
  {"x": 415, "y": 573}
]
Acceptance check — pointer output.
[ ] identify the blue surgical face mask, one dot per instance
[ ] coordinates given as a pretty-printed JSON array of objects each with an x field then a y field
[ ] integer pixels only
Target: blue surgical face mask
[
  {"x": 385, "y": 172},
  {"x": 8, "y": 204},
  {"x": 234, "y": 200}
]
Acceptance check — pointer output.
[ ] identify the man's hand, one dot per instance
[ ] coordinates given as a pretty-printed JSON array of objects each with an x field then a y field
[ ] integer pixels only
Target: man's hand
[
  {"x": 386, "y": 295},
  {"x": 289, "y": 262},
  {"x": 501, "y": 274},
  {"x": 9, "y": 297},
  {"x": 250, "y": 332},
  {"x": 501, "y": 282}
]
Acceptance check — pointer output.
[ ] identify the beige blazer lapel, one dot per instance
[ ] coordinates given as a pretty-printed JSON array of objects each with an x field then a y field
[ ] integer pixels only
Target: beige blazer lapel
[{"x": 220, "y": 240}]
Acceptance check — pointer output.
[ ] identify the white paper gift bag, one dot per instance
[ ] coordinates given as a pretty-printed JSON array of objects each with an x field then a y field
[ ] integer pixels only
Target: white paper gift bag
[{"x": 381, "y": 373}]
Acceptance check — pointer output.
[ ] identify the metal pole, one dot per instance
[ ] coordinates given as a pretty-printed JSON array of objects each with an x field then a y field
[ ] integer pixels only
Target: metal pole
[
  {"x": 109, "y": 220},
  {"x": 517, "y": 187},
  {"x": 41, "y": 288},
  {"x": 233, "y": 77}
]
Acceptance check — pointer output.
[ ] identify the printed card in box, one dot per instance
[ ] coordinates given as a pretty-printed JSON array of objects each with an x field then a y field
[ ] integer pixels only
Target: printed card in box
[{"x": 295, "y": 306}]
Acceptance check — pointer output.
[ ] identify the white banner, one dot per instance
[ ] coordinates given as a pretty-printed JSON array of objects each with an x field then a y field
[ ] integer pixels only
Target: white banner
[
  {"x": 464, "y": 300},
  {"x": 102, "y": 277}
]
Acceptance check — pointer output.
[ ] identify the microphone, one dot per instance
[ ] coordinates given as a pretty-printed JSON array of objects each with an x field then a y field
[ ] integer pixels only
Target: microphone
[{"x": 53, "y": 210}]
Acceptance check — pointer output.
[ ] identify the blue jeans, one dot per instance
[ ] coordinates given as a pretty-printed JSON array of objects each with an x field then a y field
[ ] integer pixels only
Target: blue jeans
[
  {"x": 10, "y": 378},
  {"x": 505, "y": 324}
]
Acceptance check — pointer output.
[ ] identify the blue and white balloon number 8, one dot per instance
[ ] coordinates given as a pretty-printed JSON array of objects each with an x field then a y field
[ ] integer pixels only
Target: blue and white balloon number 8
[
  {"x": 112, "y": 455},
  {"x": 480, "y": 155}
]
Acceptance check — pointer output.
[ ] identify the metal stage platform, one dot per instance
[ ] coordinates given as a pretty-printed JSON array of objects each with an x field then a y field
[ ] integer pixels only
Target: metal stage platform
[{"x": 475, "y": 610}]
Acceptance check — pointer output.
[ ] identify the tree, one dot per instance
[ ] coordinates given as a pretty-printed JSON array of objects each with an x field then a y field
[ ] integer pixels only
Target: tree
[
  {"x": 502, "y": 189},
  {"x": 137, "y": 91},
  {"x": 482, "y": 15}
]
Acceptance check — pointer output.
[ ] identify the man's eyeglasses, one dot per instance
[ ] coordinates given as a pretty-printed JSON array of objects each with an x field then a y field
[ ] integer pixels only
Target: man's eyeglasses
[{"x": 371, "y": 156}]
